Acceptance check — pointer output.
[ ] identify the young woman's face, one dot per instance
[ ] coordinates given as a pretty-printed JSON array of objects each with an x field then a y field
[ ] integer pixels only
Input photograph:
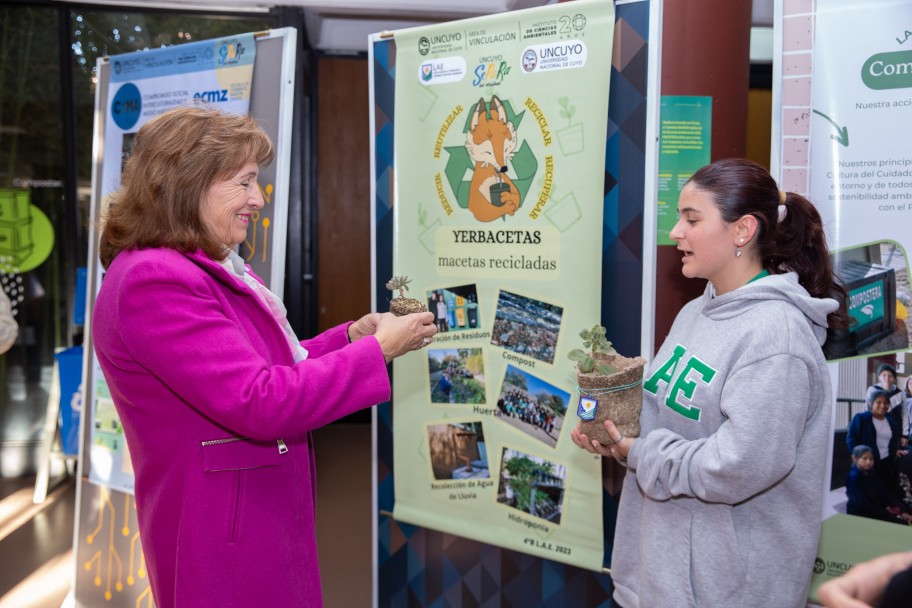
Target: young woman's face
[
  {"x": 865, "y": 462},
  {"x": 229, "y": 204},
  {"x": 879, "y": 407},
  {"x": 706, "y": 240}
]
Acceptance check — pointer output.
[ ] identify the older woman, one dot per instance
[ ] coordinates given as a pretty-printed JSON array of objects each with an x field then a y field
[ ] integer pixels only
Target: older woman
[
  {"x": 216, "y": 394},
  {"x": 721, "y": 501}
]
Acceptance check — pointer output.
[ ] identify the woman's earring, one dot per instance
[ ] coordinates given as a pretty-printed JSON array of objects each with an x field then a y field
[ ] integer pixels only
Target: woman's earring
[{"x": 737, "y": 252}]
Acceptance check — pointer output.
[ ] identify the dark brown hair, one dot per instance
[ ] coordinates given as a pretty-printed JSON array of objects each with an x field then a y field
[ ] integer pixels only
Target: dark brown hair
[
  {"x": 176, "y": 157},
  {"x": 741, "y": 187}
]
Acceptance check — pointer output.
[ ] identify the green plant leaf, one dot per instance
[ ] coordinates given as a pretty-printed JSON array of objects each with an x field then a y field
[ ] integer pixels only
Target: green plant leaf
[{"x": 577, "y": 354}]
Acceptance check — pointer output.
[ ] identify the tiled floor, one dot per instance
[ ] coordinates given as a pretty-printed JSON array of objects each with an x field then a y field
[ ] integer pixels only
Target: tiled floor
[{"x": 36, "y": 542}]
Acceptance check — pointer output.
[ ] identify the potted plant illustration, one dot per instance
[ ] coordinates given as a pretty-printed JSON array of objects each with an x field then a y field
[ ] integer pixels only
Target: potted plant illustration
[
  {"x": 401, "y": 305},
  {"x": 570, "y": 137},
  {"x": 609, "y": 385}
]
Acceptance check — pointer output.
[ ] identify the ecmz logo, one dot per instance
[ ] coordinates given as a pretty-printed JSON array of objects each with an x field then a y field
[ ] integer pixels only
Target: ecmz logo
[{"x": 212, "y": 96}]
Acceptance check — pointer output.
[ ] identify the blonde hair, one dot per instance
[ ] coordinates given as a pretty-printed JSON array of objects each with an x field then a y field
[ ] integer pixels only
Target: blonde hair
[{"x": 177, "y": 156}]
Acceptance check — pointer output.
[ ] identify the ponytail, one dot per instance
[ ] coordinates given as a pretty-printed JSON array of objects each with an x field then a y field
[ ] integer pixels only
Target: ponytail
[{"x": 800, "y": 246}]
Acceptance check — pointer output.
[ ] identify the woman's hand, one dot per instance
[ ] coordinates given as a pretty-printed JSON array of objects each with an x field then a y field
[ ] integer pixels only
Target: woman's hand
[
  {"x": 400, "y": 335},
  {"x": 365, "y": 326},
  {"x": 617, "y": 450},
  {"x": 864, "y": 584}
]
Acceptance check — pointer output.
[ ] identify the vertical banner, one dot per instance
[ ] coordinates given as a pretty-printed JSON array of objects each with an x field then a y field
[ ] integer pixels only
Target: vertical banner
[
  {"x": 500, "y": 153},
  {"x": 860, "y": 179},
  {"x": 144, "y": 84}
]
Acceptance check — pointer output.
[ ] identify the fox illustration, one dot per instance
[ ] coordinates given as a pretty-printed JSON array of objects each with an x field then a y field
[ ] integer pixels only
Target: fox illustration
[{"x": 491, "y": 143}]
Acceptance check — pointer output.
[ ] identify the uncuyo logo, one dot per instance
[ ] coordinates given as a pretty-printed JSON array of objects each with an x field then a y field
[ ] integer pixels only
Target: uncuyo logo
[
  {"x": 819, "y": 566},
  {"x": 424, "y": 45}
]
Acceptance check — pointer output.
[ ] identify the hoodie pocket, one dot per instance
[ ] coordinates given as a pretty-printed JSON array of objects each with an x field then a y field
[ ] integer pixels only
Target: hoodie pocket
[{"x": 237, "y": 457}]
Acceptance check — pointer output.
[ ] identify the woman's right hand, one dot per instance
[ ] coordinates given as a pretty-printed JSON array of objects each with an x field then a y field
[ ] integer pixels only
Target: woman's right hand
[
  {"x": 864, "y": 584},
  {"x": 400, "y": 335},
  {"x": 617, "y": 450}
]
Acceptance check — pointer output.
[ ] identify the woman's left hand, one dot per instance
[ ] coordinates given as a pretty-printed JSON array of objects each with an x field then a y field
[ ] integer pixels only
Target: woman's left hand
[
  {"x": 365, "y": 326},
  {"x": 617, "y": 450}
]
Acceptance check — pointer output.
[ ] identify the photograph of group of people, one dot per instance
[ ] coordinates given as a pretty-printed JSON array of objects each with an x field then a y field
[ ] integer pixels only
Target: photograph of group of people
[
  {"x": 533, "y": 406},
  {"x": 872, "y": 464},
  {"x": 871, "y": 474}
]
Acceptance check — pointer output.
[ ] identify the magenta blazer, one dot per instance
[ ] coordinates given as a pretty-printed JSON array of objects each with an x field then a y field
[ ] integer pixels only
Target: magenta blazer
[{"x": 217, "y": 419}]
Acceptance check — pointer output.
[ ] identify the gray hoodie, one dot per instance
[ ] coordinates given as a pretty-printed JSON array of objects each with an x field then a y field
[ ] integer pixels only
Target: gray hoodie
[{"x": 722, "y": 502}]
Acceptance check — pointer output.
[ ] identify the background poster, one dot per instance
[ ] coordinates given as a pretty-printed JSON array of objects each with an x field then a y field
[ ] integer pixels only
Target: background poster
[
  {"x": 483, "y": 415},
  {"x": 860, "y": 179},
  {"x": 684, "y": 142},
  {"x": 144, "y": 84}
]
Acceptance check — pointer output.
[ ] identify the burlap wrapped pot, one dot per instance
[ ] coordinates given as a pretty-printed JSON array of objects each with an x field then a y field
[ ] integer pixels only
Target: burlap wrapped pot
[{"x": 619, "y": 395}]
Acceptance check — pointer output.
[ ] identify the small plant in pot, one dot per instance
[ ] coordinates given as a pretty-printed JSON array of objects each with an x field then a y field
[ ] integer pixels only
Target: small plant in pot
[
  {"x": 401, "y": 305},
  {"x": 609, "y": 385}
]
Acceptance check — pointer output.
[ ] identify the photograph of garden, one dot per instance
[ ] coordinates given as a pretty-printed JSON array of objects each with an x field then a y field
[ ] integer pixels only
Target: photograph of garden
[
  {"x": 456, "y": 375},
  {"x": 532, "y": 485}
]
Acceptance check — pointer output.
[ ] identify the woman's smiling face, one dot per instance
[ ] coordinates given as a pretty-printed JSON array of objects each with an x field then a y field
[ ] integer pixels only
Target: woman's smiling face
[
  {"x": 706, "y": 240},
  {"x": 230, "y": 202}
]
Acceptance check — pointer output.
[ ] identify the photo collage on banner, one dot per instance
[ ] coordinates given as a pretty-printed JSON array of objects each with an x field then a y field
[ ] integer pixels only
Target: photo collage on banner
[
  {"x": 500, "y": 157},
  {"x": 860, "y": 179},
  {"x": 144, "y": 84}
]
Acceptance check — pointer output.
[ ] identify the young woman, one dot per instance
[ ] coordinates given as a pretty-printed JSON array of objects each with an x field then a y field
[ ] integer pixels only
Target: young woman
[{"x": 721, "y": 504}]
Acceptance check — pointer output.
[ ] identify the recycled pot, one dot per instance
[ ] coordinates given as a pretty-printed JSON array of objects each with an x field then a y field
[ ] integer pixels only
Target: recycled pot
[
  {"x": 619, "y": 396},
  {"x": 404, "y": 306}
]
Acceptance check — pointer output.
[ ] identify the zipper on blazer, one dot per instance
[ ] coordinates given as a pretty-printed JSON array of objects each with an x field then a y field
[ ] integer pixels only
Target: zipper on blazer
[
  {"x": 279, "y": 442},
  {"x": 225, "y": 440}
]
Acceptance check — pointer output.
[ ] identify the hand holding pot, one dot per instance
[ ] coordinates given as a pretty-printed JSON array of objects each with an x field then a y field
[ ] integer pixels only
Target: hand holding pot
[
  {"x": 617, "y": 450},
  {"x": 399, "y": 335}
]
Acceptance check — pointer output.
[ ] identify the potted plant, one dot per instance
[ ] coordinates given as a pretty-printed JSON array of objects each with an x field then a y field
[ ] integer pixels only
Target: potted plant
[
  {"x": 609, "y": 385},
  {"x": 401, "y": 305}
]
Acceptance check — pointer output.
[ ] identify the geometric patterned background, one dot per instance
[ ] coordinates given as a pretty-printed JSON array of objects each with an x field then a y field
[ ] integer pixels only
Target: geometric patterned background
[{"x": 420, "y": 567}]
